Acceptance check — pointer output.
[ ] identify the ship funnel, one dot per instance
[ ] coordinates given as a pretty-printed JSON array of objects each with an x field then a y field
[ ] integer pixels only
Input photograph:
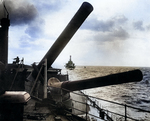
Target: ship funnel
[
  {"x": 5, "y": 23},
  {"x": 4, "y": 26}
]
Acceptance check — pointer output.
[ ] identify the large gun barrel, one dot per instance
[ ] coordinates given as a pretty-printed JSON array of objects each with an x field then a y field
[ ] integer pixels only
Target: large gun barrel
[
  {"x": 119, "y": 78},
  {"x": 83, "y": 12},
  {"x": 67, "y": 34}
]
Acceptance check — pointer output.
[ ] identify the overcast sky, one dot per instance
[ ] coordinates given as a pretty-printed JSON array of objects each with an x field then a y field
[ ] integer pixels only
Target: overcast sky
[{"x": 116, "y": 33}]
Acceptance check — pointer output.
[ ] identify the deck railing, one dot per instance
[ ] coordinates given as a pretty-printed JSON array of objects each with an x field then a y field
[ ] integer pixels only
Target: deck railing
[{"x": 96, "y": 109}]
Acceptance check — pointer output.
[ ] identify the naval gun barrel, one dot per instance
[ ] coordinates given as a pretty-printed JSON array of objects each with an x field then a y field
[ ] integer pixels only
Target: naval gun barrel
[
  {"x": 67, "y": 34},
  {"x": 113, "y": 79}
]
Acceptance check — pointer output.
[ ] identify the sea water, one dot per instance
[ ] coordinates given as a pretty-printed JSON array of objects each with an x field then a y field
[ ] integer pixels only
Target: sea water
[{"x": 135, "y": 94}]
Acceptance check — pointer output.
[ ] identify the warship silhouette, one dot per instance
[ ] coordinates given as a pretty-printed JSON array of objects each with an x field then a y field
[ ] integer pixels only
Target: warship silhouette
[{"x": 70, "y": 65}]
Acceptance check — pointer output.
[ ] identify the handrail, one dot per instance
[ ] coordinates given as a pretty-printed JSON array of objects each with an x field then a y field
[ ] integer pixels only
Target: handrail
[
  {"x": 124, "y": 105},
  {"x": 93, "y": 104}
]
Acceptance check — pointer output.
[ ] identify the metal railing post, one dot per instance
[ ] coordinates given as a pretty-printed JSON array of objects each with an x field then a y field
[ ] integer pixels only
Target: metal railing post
[
  {"x": 45, "y": 79},
  {"x": 125, "y": 112},
  {"x": 86, "y": 109}
]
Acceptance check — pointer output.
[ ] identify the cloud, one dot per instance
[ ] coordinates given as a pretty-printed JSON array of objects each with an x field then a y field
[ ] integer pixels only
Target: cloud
[
  {"x": 21, "y": 11},
  {"x": 105, "y": 25},
  {"x": 24, "y": 13},
  {"x": 35, "y": 29},
  {"x": 52, "y": 5},
  {"x": 118, "y": 34},
  {"x": 99, "y": 25},
  {"x": 148, "y": 27},
  {"x": 120, "y": 19},
  {"x": 138, "y": 25}
]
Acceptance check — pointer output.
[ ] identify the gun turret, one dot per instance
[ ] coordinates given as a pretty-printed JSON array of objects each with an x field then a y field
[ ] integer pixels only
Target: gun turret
[{"x": 119, "y": 78}]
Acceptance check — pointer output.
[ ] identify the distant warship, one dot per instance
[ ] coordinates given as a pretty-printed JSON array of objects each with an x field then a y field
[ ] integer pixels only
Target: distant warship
[{"x": 70, "y": 65}]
